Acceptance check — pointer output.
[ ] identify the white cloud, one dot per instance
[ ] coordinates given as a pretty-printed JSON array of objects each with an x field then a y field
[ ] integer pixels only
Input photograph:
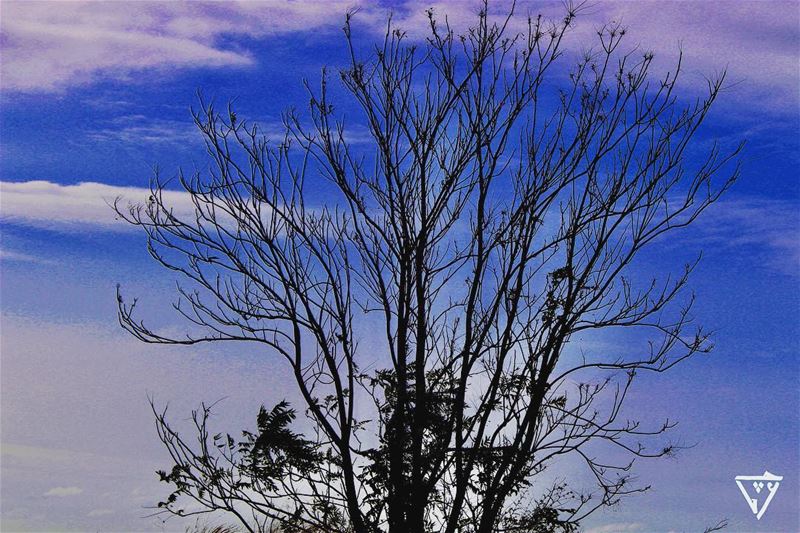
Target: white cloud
[
  {"x": 75, "y": 378},
  {"x": 756, "y": 41},
  {"x": 63, "y": 492},
  {"x": 771, "y": 226},
  {"x": 138, "y": 129},
  {"x": 51, "y": 46},
  {"x": 616, "y": 528},
  {"x": 37, "y": 453},
  {"x": 81, "y": 207},
  {"x": 99, "y": 512},
  {"x": 48, "y": 46},
  {"x": 767, "y": 225},
  {"x": 10, "y": 255}
]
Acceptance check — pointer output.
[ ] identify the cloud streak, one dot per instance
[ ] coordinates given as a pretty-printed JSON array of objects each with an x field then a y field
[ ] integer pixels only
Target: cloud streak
[
  {"x": 755, "y": 41},
  {"x": 139, "y": 130},
  {"x": 63, "y": 492},
  {"x": 10, "y": 255},
  {"x": 769, "y": 225},
  {"x": 50, "y": 47},
  {"x": 53, "y": 375},
  {"x": 617, "y": 528},
  {"x": 81, "y": 207}
]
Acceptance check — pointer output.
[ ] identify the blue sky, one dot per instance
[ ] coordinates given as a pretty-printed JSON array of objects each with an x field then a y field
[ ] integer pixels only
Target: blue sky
[{"x": 95, "y": 94}]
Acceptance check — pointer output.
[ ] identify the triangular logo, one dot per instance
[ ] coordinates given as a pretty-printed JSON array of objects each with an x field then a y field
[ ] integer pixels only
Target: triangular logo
[{"x": 762, "y": 487}]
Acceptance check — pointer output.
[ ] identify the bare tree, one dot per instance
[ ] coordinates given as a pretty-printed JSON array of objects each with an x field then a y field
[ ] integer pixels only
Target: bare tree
[{"x": 494, "y": 215}]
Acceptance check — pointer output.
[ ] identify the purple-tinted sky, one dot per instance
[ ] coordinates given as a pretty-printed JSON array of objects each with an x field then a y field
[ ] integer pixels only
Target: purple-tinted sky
[{"x": 94, "y": 94}]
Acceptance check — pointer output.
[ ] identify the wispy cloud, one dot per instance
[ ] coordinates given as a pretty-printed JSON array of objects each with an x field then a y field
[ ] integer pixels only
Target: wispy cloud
[
  {"x": 52, "y": 46},
  {"x": 139, "y": 129},
  {"x": 49, "y": 46},
  {"x": 766, "y": 226},
  {"x": 53, "y": 372},
  {"x": 770, "y": 227},
  {"x": 617, "y": 528},
  {"x": 70, "y": 208},
  {"x": 37, "y": 453},
  {"x": 757, "y": 42},
  {"x": 63, "y": 492},
  {"x": 10, "y": 255}
]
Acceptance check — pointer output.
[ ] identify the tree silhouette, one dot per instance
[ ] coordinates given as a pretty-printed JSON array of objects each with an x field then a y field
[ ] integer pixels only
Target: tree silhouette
[{"x": 426, "y": 288}]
